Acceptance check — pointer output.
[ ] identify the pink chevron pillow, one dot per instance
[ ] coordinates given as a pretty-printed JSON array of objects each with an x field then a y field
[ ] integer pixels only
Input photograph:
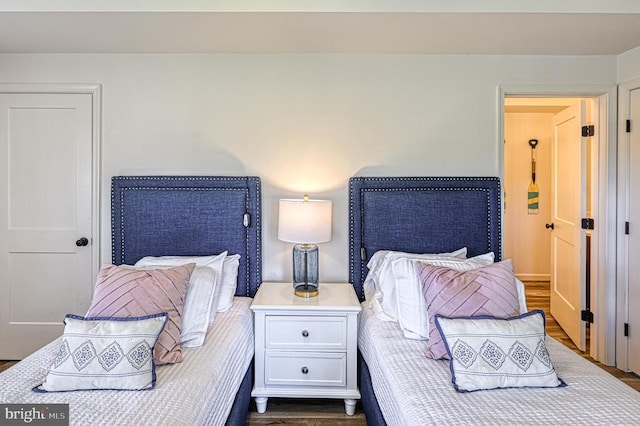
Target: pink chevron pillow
[
  {"x": 489, "y": 290},
  {"x": 129, "y": 292}
]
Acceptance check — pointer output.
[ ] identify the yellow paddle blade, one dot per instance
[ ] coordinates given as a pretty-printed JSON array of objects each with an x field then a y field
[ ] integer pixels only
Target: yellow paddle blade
[{"x": 533, "y": 198}]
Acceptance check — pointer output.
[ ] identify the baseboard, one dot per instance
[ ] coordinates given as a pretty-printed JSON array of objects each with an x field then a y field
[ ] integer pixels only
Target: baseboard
[{"x": 533, "y": 277}]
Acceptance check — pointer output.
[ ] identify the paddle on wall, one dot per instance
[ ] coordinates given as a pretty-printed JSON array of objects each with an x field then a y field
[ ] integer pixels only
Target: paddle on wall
[{"x": 533, "y": 195}]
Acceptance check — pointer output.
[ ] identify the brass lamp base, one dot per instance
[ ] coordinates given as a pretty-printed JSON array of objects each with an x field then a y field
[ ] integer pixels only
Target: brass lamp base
[{"x": 306, "y": 291}]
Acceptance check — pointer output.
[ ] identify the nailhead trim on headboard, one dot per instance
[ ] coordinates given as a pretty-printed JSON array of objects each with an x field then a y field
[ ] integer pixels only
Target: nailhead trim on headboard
[
  {"x": 248, "y": 185},
  {"x": 358, "y": 186}
]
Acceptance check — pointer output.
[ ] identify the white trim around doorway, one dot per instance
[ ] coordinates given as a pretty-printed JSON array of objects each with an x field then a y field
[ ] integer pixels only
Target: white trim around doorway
[
  {"x": 603, "y": 275},
  {"x": 624, "y": 194}
]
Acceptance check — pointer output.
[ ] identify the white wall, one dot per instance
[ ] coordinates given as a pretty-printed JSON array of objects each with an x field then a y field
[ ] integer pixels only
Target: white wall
[
  {"x": 303, "y": 123},
  {"x": 629, "y": 65}
]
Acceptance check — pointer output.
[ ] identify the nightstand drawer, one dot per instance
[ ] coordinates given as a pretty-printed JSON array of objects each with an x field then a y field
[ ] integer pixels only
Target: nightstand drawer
[
  {"x": 306, "y": 369},
  {"x": 305, "y": 332}
]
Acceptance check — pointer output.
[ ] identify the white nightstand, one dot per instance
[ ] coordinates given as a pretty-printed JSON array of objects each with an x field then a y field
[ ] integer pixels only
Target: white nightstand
[{"x": 306, "y": 348}]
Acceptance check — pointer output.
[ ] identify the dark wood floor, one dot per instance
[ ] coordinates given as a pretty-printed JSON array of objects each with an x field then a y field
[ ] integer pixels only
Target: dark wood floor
[
  {"x": 6, "y": 364},
  {"x": 538, "y": 298},
  {"x": 284, "y": 411}
]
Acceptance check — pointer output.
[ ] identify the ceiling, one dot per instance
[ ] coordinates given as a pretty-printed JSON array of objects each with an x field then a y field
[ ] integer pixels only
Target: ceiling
[
  {"x": 509, "y": 33},
  {"x": 538, "y": 104}
]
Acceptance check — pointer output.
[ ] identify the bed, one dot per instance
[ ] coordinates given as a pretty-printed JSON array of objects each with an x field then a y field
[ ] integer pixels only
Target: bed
[
  {"x": 163, "y": 216},
  {"x": 398, "y": 383}
]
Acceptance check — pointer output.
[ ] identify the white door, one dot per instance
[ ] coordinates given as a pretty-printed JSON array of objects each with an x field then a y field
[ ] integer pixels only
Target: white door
[
  {"x": 46, "y": 163},
  {"x": 568, "y": 207},
  {"x": 633, "y": 239}
]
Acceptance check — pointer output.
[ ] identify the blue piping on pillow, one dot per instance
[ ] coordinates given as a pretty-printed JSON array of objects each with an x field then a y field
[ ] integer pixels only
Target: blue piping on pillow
[
  {"x": 489, "y": 317},
  {"x": 122, "y": 319}
]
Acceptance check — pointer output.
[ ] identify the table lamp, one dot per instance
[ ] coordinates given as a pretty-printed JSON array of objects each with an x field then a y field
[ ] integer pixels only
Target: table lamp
[{"x": 305, "y": 222}]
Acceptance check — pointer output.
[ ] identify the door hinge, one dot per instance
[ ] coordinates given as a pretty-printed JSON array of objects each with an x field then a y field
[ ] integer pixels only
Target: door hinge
[
  {"x": 589, "y": 130},
  {"x": 587, "y": 316},
  {"x": 626, "y": 228},
  {"x": 628, "y": 128},
  {"x": 587, "y": 223},
  {"x": 626, "y": 329}
]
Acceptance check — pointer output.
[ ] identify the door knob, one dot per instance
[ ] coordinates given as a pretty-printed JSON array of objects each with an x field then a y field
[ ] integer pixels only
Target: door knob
[
  {"x": 549, "y": 226},
  {"x": 82, "y": 242}
]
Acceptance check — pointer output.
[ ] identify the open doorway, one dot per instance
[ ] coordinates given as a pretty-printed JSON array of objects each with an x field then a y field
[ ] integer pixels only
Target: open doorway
[
  {"x": 603, "y": 192},
  {"x": 547, "y": 183}
]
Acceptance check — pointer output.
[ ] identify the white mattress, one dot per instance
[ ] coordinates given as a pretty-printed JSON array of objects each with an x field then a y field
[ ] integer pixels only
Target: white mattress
[
  {"x": 414, "y": 390},
  {"x": 198, "y": 391}
]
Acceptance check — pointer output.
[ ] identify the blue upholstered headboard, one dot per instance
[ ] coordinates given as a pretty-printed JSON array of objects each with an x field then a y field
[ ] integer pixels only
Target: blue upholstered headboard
[
  {"x": 421, "y": 215},
  {"x": 188, "y": 216}
]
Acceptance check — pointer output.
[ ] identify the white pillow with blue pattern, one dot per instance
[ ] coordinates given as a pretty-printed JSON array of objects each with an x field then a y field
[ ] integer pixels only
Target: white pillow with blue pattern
[
  {"x": 490, "y": 353},
  {"x": 105, "y": 353}
]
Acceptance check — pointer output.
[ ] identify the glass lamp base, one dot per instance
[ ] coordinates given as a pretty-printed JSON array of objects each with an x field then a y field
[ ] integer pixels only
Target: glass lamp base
[{"x": 305, "y": 270}]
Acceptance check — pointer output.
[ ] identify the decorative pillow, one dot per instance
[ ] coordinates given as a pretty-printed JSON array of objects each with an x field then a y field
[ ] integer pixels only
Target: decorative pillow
[
  {"x": 489, "y": 290},
  {"x": 225, "y": 266},
  {"x": 105, "y": 353},
  {"x": 134, "y": 292},
  {"x": 215, "y": 262},
  {"x": 199, "y": 306},
  {"x": 380, "y": 286},
  {"x": 411, "y": 309},
  {"x": 490, "y": 353},
  {"x": 198, "y": 310}
]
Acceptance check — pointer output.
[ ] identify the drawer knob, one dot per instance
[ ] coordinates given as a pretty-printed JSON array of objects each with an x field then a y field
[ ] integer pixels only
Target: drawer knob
[
  {"x": 304, "y": 370},
  {"x": 305, "y": 333}
]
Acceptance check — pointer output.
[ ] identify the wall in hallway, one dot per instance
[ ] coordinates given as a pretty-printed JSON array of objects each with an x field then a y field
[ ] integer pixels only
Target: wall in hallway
[{"x": 526, "y": 239}]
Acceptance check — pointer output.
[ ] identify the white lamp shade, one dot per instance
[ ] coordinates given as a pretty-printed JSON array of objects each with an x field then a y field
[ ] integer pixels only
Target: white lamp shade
[{"x": 304, "y": 221}]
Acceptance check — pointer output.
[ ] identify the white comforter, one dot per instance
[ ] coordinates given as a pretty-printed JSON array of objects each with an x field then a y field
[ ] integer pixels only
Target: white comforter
[
  {"x": 414, "y": 390},
  {"x": 198, "y": 391}
]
